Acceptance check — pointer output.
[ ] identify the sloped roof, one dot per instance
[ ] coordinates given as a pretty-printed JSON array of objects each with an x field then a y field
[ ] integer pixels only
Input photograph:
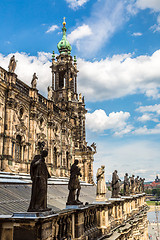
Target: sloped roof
[{"x": 15, "y": 192}]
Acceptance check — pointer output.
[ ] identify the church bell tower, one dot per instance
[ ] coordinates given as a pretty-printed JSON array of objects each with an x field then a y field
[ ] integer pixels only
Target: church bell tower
[{"x": 64, "y": 71}]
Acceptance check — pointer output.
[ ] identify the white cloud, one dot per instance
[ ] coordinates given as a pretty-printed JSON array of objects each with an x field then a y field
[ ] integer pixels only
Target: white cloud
[
  {"x": 27, "y": 65},
  {"x": 153, "y": 93},
  {"x": 110, "y": 78},
  {"x": 119, "y": 76},
  {"x": 150, "y": 113},
  {"x": 150, "y": 108},
  {"x": 105, "y": 19},
  {"x": 52, "y": 28},
  {"x": 74, "y": 4},
  {"x": 146, "y": 131},
  {"x": 156, "y": 27},
  {"x": 145, "y": 117},
  {"x": 133, "y": 156},
  {"x": 99, "y": 121},
  {"x": 79, "y": 33},
  {"x": 137, "y": 34},
  {"x": 128, "y": 129},
  {"x": 153, "y": 4}
]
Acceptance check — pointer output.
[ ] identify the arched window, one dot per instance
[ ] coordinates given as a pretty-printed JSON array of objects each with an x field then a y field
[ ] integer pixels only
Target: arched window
[
  {"x": 55, "y": 156},
  {"x": 61, "y": 79},
  {"x": 67, "y": 159},
  {"x": 18, "y": 148},
  {"x": 21, "y": 111}
]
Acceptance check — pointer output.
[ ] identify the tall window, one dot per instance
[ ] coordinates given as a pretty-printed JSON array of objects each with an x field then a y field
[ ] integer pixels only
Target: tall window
[
  {"x": 55, "y": 157},
  {"x": 67, "y": 158},
  {"x": 61, "y": 79},
  {"x": 18, "y": 148}
]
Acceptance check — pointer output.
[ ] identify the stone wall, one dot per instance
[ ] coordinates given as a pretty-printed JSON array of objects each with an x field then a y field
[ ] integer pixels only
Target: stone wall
[
  {"x": 114, "y": 220},
  {"x": 27, "y": 118}
]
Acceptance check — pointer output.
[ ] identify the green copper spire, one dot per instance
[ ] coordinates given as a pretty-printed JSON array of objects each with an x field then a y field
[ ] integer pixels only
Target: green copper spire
[{"x": 64, "y": 46}]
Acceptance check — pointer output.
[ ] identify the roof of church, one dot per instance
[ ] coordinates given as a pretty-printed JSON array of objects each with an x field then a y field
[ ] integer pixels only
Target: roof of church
[{"x": 15, "y": 192}]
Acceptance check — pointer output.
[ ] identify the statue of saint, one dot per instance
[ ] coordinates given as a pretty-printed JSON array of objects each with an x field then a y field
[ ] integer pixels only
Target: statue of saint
[
  {"x": 143, "y": 179},
  {"x": 140, "y": 185},
  {"x": 115, "y": 185},
  {"x": 69, "y": 96},
  {"x": 34, "y": 81},
  {"x": 126, "y": 184},
  {"x": 137, "y": 184},
  {"x": 74, "y": 185},
  {"x": 50, "y": 93},
  {"x": 39, "y": 175},
  {"x": 132, "y": 184},
  {"x": 12, "y": 64},
  {"x": 101, "y": 184}
]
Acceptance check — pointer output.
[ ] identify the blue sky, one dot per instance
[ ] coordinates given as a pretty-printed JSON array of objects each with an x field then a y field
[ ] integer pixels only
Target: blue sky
[{"x": 117, "y": 44}]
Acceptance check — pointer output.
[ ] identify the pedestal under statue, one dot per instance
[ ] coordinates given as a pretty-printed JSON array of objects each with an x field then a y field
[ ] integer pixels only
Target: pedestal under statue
[
  {"x": 73, "y": 185},
  {"x": 101, "y": 184},
  {"x": 39, "y": 175}
]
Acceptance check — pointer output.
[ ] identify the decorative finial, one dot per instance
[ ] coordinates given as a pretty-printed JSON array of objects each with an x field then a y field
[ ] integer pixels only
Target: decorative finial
[
  {"x": 53, "y": 55},
  {"x": 64, "y": 22},
  {"x": 75, "y": 60}
]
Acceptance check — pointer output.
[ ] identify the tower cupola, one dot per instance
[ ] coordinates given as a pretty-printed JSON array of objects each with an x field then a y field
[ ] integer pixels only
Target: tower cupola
[{"x": 64, "y": 46}]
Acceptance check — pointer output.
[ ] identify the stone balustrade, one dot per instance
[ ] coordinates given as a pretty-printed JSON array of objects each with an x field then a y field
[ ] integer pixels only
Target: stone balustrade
[{"x": 124, "y": 218}]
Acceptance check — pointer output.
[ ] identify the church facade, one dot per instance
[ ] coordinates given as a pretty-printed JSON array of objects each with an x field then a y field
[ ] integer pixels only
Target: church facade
[{"x": 28, "y": 120}]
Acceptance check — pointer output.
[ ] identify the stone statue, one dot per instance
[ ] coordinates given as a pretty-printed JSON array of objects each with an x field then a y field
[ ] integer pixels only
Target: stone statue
[
  {"x": 101, "y": 184},
  {"x": 80, "y": 97},
  {"x": 126, "y": 185},
  {"x": 115, "y": 185},
  {"x": 74, "y": 185},
  {"x": 132, "y": 184},
  {"x": 50, "y": 93},
  {"x": 93, "y": 145},
  {"x": 12, "y": 64},
  {"x": 136, "y": 184},
  {"x": 140, "y": 186},
  {"x": 39, "y": 175},
  {"x": 143, "y": 179},
  {"x": 69, "y": 96},
  {"x": 34, "y": 81}
]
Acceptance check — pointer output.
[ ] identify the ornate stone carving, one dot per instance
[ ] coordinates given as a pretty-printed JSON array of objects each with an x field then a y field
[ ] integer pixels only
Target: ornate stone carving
[
  {"x": 74, "y": 185},
  {"x": 12, "y": 64},
  {"x": 115, "y": 185},
  {"x": 93, "y": 145},
  {"x": 50, "y": 93},
  {"x": 132, "y": 184},
  {"x": 34, "y": 81},
  {"x": 126, "y": 184}
]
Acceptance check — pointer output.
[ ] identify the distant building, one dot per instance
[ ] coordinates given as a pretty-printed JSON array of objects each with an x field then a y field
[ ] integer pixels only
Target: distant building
[
  {"x": 157, "y": 180},
  {"x": 154, "y": 184}
]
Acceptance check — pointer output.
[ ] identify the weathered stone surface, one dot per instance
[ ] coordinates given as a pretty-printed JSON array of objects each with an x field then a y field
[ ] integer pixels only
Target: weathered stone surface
[
  {"x": 101, "y": 184},
  {"x": 27, "y": 118}
]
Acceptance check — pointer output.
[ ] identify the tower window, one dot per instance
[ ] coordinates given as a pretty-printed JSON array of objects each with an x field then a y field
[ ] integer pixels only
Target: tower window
[
  {"x": 61, "y": 79},
  {"x": 21, "y": 111}
]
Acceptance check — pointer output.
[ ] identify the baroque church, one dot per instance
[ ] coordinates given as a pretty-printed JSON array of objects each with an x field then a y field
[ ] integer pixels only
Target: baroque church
[{"x": 29, "y": 120}]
